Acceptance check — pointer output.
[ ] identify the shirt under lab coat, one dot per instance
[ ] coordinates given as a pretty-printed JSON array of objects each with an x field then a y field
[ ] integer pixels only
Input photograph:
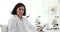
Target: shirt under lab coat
[{"x": 16, "y": 25}]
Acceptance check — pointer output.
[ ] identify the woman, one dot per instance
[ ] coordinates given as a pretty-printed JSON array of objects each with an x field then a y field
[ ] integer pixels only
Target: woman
[{"x": 18, "y": 23}]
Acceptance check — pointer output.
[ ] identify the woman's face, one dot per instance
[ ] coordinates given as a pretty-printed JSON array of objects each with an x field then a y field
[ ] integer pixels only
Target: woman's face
[{"x": 20, "y": 11}]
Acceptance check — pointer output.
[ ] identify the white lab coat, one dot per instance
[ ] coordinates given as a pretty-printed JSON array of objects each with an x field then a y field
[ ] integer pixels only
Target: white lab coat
[{"x": 14, "y": 24}]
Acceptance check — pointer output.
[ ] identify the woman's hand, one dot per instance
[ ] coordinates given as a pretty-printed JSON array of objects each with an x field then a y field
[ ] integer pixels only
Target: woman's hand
[{"x": 39, "y": 28}]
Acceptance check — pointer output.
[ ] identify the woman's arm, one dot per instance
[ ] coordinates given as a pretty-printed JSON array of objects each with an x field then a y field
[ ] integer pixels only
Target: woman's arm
[{"x": 12, "y": 26}]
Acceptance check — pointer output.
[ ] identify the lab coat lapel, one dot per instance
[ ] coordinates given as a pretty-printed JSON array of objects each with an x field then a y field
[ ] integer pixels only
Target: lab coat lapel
[
  {"x": 26, "y": 25},
  {"x": 19, "y": 21}
]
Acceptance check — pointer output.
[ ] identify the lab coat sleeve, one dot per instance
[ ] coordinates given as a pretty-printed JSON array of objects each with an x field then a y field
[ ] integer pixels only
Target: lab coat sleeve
[
  {"x": 31, "y": 27},
  {"x": 12, "y": 25}
]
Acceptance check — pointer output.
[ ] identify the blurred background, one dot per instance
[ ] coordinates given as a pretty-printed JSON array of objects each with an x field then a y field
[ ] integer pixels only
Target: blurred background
[{"x": 46, "y": 12}]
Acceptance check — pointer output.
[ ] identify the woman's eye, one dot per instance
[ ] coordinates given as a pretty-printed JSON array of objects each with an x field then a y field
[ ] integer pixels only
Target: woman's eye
[{"x": 21, "y": 9}]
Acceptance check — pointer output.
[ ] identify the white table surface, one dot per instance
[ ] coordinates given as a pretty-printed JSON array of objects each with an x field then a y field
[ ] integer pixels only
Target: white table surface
[{"x": 52, "y": 30}]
